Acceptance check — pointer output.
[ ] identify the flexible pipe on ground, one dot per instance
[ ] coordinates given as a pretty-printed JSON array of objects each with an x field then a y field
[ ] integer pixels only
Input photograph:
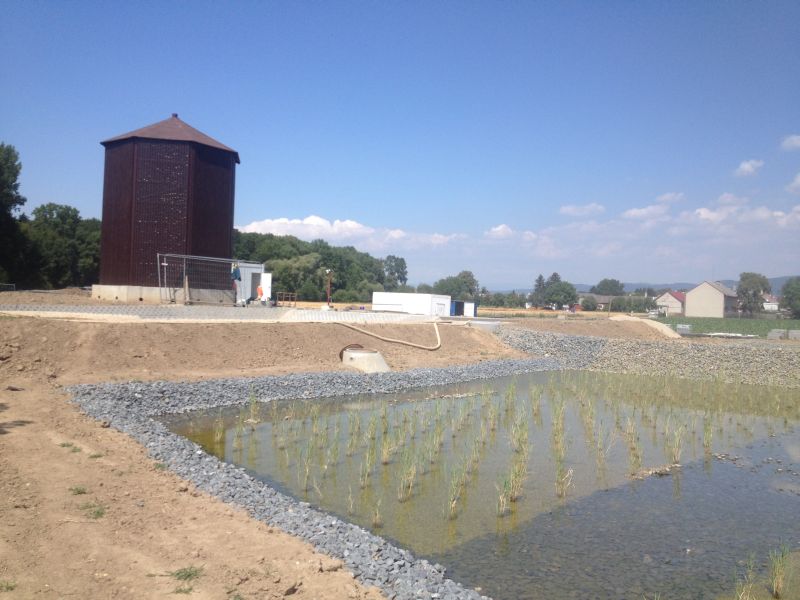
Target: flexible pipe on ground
[{"x": 394, "y": 341}]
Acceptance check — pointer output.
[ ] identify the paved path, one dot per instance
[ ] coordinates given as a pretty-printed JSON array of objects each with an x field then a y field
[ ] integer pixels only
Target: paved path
[{"x": 181, "y": 313}]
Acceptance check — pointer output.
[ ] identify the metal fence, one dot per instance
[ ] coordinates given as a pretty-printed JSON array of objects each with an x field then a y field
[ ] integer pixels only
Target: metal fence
[
  {"x": 184, "y": 279},
  {"x": 8, "y": 287},
  {"x": 286, "y": 299}
]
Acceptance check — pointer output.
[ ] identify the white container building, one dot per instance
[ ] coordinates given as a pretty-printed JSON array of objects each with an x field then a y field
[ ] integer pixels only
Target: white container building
[{"x": 432, "y": 305}]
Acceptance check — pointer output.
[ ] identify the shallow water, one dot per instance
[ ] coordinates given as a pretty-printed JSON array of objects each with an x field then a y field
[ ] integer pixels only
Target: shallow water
[{"x": 427, "y": 469}]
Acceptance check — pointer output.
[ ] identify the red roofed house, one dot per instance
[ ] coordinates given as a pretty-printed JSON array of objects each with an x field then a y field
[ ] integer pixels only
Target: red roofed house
[{"x": 671, "y": 303}]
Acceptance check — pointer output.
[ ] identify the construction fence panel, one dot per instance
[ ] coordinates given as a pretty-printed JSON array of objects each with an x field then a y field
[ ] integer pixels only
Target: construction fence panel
[{"x": 187, "y": 279}]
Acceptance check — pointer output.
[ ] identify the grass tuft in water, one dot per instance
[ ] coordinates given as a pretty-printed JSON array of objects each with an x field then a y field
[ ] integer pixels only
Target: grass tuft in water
[
  {"x": 746, "y": 583},
  {"x": 503, "y": 496},
  {"x": 219, "y": 428},
  {"x": 377, "y": 520},
  {"x": 675, "y": 446},
  {"x": 778, "y": 560}
]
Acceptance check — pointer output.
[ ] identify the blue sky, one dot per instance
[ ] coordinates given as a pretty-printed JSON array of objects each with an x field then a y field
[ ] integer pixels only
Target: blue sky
[{"x": 637, "y": 140}]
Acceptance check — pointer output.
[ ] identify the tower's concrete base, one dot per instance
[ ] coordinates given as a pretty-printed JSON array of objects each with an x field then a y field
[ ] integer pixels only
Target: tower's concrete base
[{"x": 130, "y": 294}]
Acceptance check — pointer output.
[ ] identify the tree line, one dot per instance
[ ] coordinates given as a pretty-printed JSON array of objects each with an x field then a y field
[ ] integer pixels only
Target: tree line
[
  {"x": 54, "y": 248},
  {"x": 304, "y": 267}
]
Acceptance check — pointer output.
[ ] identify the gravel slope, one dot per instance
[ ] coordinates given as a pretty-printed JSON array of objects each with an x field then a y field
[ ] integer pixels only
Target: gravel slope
[
  {"x": 752, "y": 362},
  {"x": 131, "y": 407}
]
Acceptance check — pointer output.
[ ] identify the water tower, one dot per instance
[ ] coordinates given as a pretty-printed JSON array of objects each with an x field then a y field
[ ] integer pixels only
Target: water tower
[{"x": 167, "y": 188}]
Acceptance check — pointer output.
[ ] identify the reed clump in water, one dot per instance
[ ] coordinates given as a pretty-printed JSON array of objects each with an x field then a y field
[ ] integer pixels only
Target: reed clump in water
[{"x": 778, "y": 562}]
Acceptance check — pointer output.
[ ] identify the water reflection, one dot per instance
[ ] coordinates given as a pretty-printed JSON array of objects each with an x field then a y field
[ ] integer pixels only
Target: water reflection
[{"x": 475, "y": 470}]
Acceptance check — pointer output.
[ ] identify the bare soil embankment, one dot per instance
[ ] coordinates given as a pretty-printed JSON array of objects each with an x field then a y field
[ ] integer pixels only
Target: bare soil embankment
[{"x": 59, "y": 470}]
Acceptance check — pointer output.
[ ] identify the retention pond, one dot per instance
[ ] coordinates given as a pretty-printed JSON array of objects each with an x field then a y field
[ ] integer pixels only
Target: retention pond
[{"x": 543, "y": 485}]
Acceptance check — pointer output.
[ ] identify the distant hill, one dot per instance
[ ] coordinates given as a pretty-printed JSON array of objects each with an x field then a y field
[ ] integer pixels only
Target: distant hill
[
  {"x": 775, "y": 282},
  {"x": 679, "y": 285}
]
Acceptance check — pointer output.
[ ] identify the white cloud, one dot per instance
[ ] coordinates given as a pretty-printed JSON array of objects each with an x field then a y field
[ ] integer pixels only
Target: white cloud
[
  {"x": 653, "y": 211},
  {"x": 312, "y": 227},
  {"x": 500, "y": 232},
  {"x": 396, "y": 234},
  {"x": 748, "y": 168},
  {"x": 439, "y": 239},
  {"x": 607, "y": 249},
  {"x": 790, "y": 219},
  {"x": 715, "y": 216},
  {"x": 585, "y": 210},
  {"x": 671, "y": 197},
  {"x": 791, "y": 142},
  {"x": 529, "y": 236},
  {"x": 794, "y": 187},
  {"x": 347, "y": 231},
  {"x": 728, "y": 199}
]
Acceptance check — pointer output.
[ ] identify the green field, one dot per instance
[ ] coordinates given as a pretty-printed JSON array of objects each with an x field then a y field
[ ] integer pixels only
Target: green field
[{"x": 759, "y": 327}]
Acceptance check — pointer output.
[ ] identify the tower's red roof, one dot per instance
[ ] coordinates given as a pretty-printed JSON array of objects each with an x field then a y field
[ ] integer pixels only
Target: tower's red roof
[{"x": 173, "y": 129}]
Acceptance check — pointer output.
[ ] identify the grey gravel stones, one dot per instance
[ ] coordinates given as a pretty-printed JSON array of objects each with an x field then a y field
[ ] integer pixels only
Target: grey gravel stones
[
  {"x": 132, "y": 407},
  {"x": 735, "y": 361}
]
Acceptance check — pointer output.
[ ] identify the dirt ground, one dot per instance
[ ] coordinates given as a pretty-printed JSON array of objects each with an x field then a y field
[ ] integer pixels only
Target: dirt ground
[{"x": 85, "y": 513}]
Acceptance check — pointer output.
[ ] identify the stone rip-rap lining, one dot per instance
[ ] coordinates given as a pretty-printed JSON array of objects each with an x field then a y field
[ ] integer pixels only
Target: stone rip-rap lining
[{"x": 131, "y": 408}]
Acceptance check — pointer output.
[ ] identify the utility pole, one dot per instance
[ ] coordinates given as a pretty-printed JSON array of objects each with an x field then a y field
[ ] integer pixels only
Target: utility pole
[{"x": 328, "y": 272}]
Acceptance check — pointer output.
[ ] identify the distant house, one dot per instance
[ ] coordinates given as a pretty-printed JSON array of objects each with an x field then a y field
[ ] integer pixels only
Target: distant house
[
  {"x": 771, "y": 303},
  {"x": 671, "y": 303},
  {"x": 711, "y": 299}
]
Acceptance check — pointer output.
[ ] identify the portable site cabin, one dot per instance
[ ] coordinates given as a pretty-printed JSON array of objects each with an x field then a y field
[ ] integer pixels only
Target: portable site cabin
[
  {"x": 252, "y": 274},
  {"x": 432, "y": 305},
  {"x": 463, "y": 309},
  {"x": 265, "y": 281}
]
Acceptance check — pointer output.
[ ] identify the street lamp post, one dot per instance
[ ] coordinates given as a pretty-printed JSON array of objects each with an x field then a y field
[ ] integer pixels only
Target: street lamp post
[{"x": 328, "y": 273}]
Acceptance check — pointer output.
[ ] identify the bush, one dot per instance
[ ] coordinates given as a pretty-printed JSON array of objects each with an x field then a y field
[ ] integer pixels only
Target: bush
[
  {"x": 791, "y": 296},
  {"x": 589, "y": 303},
  {"x": 345, "y": 296}
]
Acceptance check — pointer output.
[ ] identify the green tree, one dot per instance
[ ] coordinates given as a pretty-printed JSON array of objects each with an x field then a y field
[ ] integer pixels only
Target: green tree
[
  {"x": 561, "y": 293},
  {"x": 289, "y": 274},
  {"x": 608, "y": 287},
  {"x": 514, "y": 300},
  {"x": 54, "y": 232},
  {"x": 396, "y": 272},
  {"x": 553, "y": 279},
  {"x": 294, "y": 262},
  {"x": 310, "y": 291},
  {"x": 751, "y": 290},
  {"x": 791, "y": 296},
  {"x": 425, "y": 288},
  {"x": 648, "y": 291},
  {"x": 589, "y": 303},
  {"x": 10, "y": 167},
  {"x": 13, "y": 245},
  {"x": 463, "y": 286},
  {"x": 537, "y": 295},
  {"x": 88, "y": 235}
]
